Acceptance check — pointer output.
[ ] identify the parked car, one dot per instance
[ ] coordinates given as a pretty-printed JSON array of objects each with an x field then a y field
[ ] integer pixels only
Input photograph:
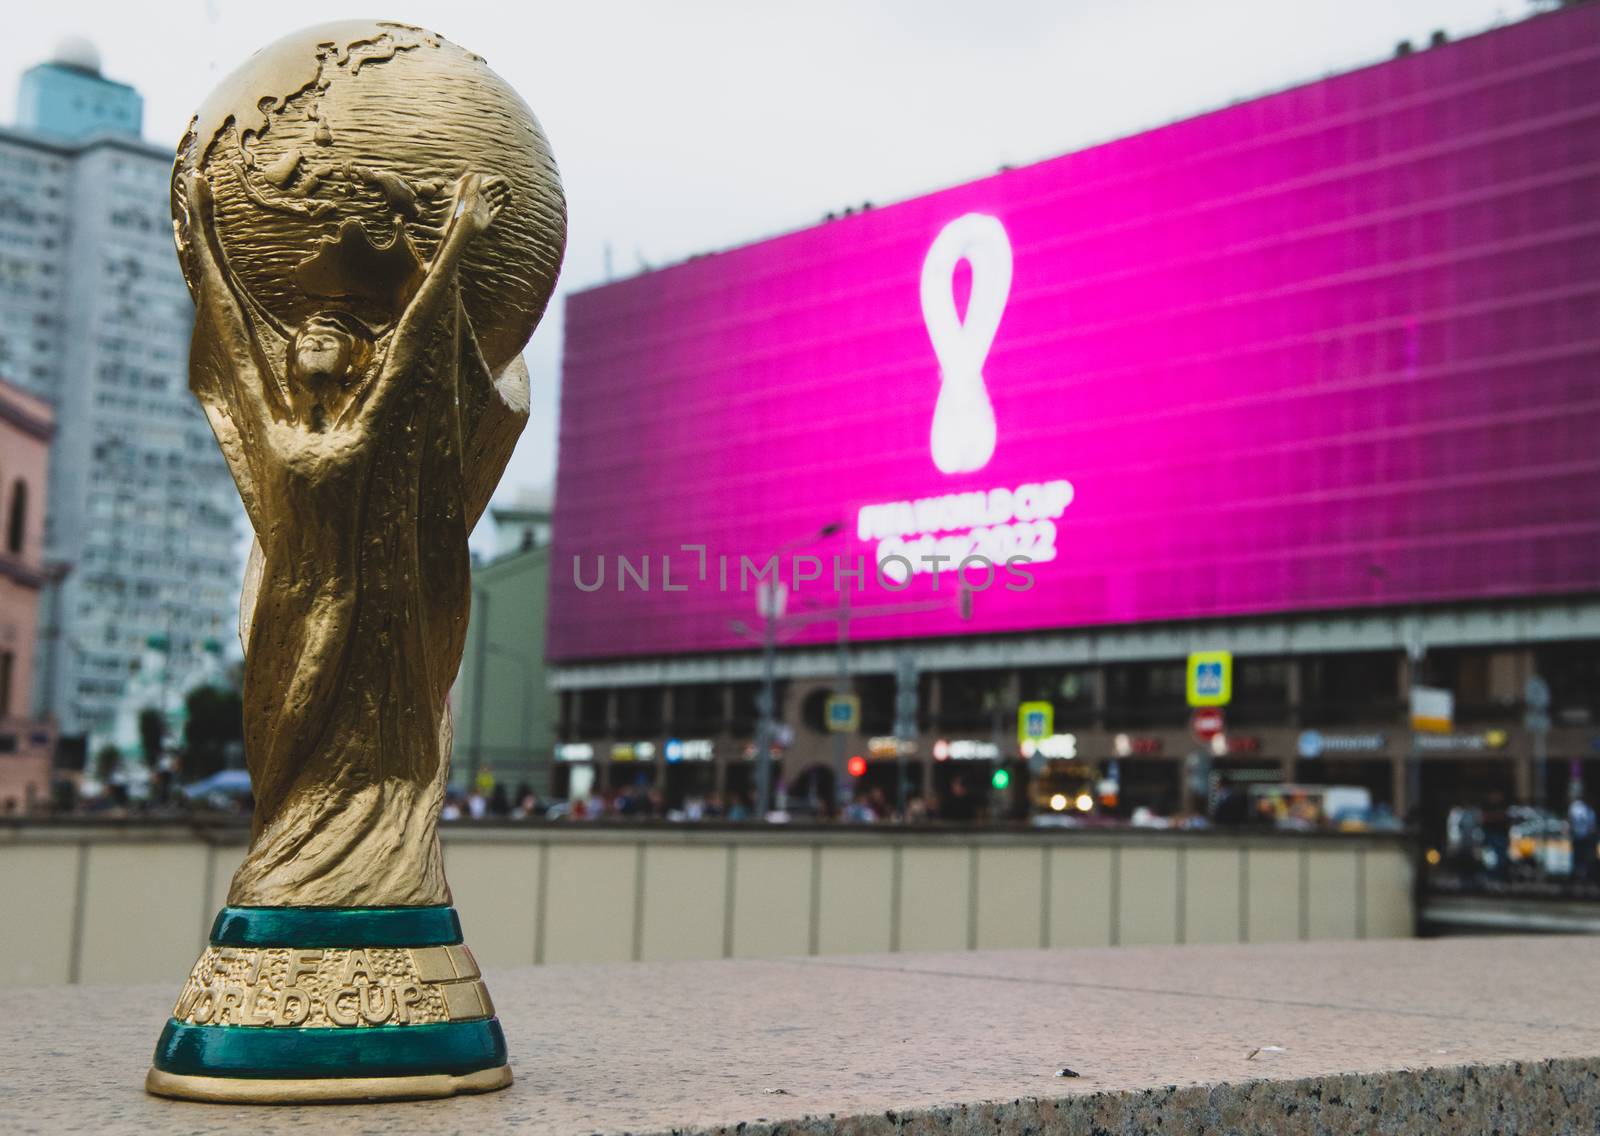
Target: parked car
[{"x": 1541, "y": 845}]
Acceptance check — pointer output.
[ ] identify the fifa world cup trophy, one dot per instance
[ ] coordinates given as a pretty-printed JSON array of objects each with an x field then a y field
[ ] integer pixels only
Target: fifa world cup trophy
[{"x": 371, "y": 224}]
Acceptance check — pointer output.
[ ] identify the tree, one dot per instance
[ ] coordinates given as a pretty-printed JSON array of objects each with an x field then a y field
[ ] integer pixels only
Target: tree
[
  {"x": 152, "y": 732},
  {"x": 106, "y": 762},
  {"x": 216, "y": 724}
]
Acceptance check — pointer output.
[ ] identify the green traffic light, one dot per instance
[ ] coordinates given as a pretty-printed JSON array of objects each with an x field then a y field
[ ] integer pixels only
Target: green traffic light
[{"x": 1000, "y": 779}]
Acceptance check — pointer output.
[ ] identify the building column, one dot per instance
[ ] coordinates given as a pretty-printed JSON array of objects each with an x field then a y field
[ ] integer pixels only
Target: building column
[
  {"x": 1398, "y": 777},
  {"x": 725, "y": 741},
  {"x": 667, "y": 729},
  {"x": 1293, "y": 692},
  {"x": 1521, "y": 758},
  {"x": 603, "y": 768},
  {"x": 1406, "y": 742}
]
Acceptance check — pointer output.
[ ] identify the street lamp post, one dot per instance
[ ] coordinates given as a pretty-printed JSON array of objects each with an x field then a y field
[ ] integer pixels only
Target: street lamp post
[
  {"x": 841, "y": 776},
  {"x": 767, "y": 727},
  {"x": 770, "y": 601},
  {"x": 1416, "y": 651},
  {"x": 480, "y": 615}
]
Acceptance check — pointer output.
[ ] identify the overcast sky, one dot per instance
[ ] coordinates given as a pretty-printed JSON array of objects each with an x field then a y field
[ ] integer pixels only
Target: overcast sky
[{"x": 686, "y": 126}]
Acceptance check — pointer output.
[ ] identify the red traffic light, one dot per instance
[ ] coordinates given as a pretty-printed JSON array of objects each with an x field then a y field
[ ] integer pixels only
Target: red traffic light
[{"x": 857, "y": 765}]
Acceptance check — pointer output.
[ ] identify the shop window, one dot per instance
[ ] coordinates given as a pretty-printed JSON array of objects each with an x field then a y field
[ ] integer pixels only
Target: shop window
[
  {"x": 586, "y": 715},
  {"x": 1346, "y": 688},
  {"x": 1573, "y": 672},
  {"x": 747, "y": 706},
  {"x": 1260, "y": 693},
  {"x": 973, "y": 701},
  {"x": 877, "y": 694},
  {"x": 1487, "y": 684},
  {"x": 697, "y": 709},
  {"x": 1146, "y": 695},
  {"x": 814, "y": 710},
  {"x": 639, "y": 711},
  {"x": 17, "y": 519},
  {"x": 1070, "y": 690}
]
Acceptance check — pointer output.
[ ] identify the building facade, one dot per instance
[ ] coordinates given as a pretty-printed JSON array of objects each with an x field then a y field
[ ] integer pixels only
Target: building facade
[
  {"x": 26, "y": 741},
  {"x": 503, "y": 708},
  {"x": 95, "y": 320},
  {"x": 1311, "y": 379}
]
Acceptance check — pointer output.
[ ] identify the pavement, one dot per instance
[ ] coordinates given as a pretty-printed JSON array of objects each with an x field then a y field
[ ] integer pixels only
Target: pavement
[
  {"x": 1509, "y": 915},
  {"x": 1399, "y": 1036}
]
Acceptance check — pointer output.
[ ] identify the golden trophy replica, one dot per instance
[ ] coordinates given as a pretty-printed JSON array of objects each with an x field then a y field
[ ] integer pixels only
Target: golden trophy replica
[{"x": 371, "y": 224}]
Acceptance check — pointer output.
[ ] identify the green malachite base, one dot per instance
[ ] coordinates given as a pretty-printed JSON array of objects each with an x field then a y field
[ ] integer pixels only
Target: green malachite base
[
  {"x": 307, "y": 927},
  {"x": 240, "y": 1039},
  {"x": 377, "y": 1051}
]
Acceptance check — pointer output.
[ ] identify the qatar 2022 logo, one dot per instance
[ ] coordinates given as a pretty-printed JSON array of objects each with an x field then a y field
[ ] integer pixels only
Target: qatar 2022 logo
[
  {"x": 1009, "y": 524},
  {"x": 963, "y": 436}
]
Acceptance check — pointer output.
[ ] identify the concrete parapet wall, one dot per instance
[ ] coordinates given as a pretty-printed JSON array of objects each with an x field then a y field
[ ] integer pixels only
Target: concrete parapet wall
[{"x": 132, "y": 902}]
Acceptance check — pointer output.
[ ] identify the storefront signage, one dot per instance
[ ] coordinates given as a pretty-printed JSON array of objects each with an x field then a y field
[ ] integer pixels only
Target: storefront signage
[
  {"x": 1487, "y": 741},
  {"x": 689, "y": 749},
  {"x": 633, "y": 751},
  {"x": 1433, "y": 709},
  {"x": 1056, "y": 747},
  {"x": 574, "y": 751},
  {"x": 1315, "y": 743},
  {"x": 964, "y": 749},
  {"x": 1131, "y": 745}
]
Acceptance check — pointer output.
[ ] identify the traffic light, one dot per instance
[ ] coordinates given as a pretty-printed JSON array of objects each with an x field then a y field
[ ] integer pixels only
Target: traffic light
[
  {"x": 856, "y": 766},
  {"x": 1001, "y": 778}
]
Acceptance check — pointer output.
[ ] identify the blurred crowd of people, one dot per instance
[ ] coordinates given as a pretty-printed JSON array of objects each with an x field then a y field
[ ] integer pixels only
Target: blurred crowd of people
[{"x": 643, "y": 802}]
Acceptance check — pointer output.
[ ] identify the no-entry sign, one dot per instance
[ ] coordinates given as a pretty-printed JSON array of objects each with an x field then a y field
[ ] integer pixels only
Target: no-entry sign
[{"x": 1206, "y": 722}]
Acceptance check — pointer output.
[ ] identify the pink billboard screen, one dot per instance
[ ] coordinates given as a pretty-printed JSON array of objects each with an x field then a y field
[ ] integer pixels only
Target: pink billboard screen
[{"x": 1335, "y": 347}]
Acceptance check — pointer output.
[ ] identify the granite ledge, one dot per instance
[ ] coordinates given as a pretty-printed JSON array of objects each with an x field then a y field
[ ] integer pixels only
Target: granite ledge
[
  {"x": 1556, "y": 1096},
  {"x": 1443, "y": 1036}
]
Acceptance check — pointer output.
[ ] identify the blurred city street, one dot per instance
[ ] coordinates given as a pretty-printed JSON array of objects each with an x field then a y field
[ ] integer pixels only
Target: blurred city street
[{"x": 1227, "y": 472}]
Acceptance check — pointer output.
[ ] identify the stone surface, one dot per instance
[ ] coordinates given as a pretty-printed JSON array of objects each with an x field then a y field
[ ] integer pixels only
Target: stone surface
[{"x": 1443, "y": 1036}]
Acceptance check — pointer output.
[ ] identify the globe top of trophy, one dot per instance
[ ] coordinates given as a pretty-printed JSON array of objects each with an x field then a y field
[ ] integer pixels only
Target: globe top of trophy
[{"x": 333, "y": 156}]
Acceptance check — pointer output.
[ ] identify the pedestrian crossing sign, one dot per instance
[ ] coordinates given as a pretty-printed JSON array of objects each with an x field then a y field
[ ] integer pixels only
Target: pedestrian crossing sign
[
  {"x": 1035, "y": 720},
  {"x": 844, "y": 713},
  {"x": 1210, "y": 678}
]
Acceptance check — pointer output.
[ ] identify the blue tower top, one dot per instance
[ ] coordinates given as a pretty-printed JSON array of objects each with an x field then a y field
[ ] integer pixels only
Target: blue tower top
[{"x": 68, "y": 98}]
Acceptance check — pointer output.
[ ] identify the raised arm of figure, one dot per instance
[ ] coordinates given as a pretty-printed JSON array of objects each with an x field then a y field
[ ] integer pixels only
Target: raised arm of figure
[
  {"x": 479, "y": 200},
  {"x": 221, "y": 309}
]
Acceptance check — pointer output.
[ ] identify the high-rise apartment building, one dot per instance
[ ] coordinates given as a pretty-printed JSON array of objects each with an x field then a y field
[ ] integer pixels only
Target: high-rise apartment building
[{"x": 95, "y": 320}]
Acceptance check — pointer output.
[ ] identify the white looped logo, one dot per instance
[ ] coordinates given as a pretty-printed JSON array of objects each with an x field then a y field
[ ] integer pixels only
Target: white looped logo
[{"x": 963, "y": 434}]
